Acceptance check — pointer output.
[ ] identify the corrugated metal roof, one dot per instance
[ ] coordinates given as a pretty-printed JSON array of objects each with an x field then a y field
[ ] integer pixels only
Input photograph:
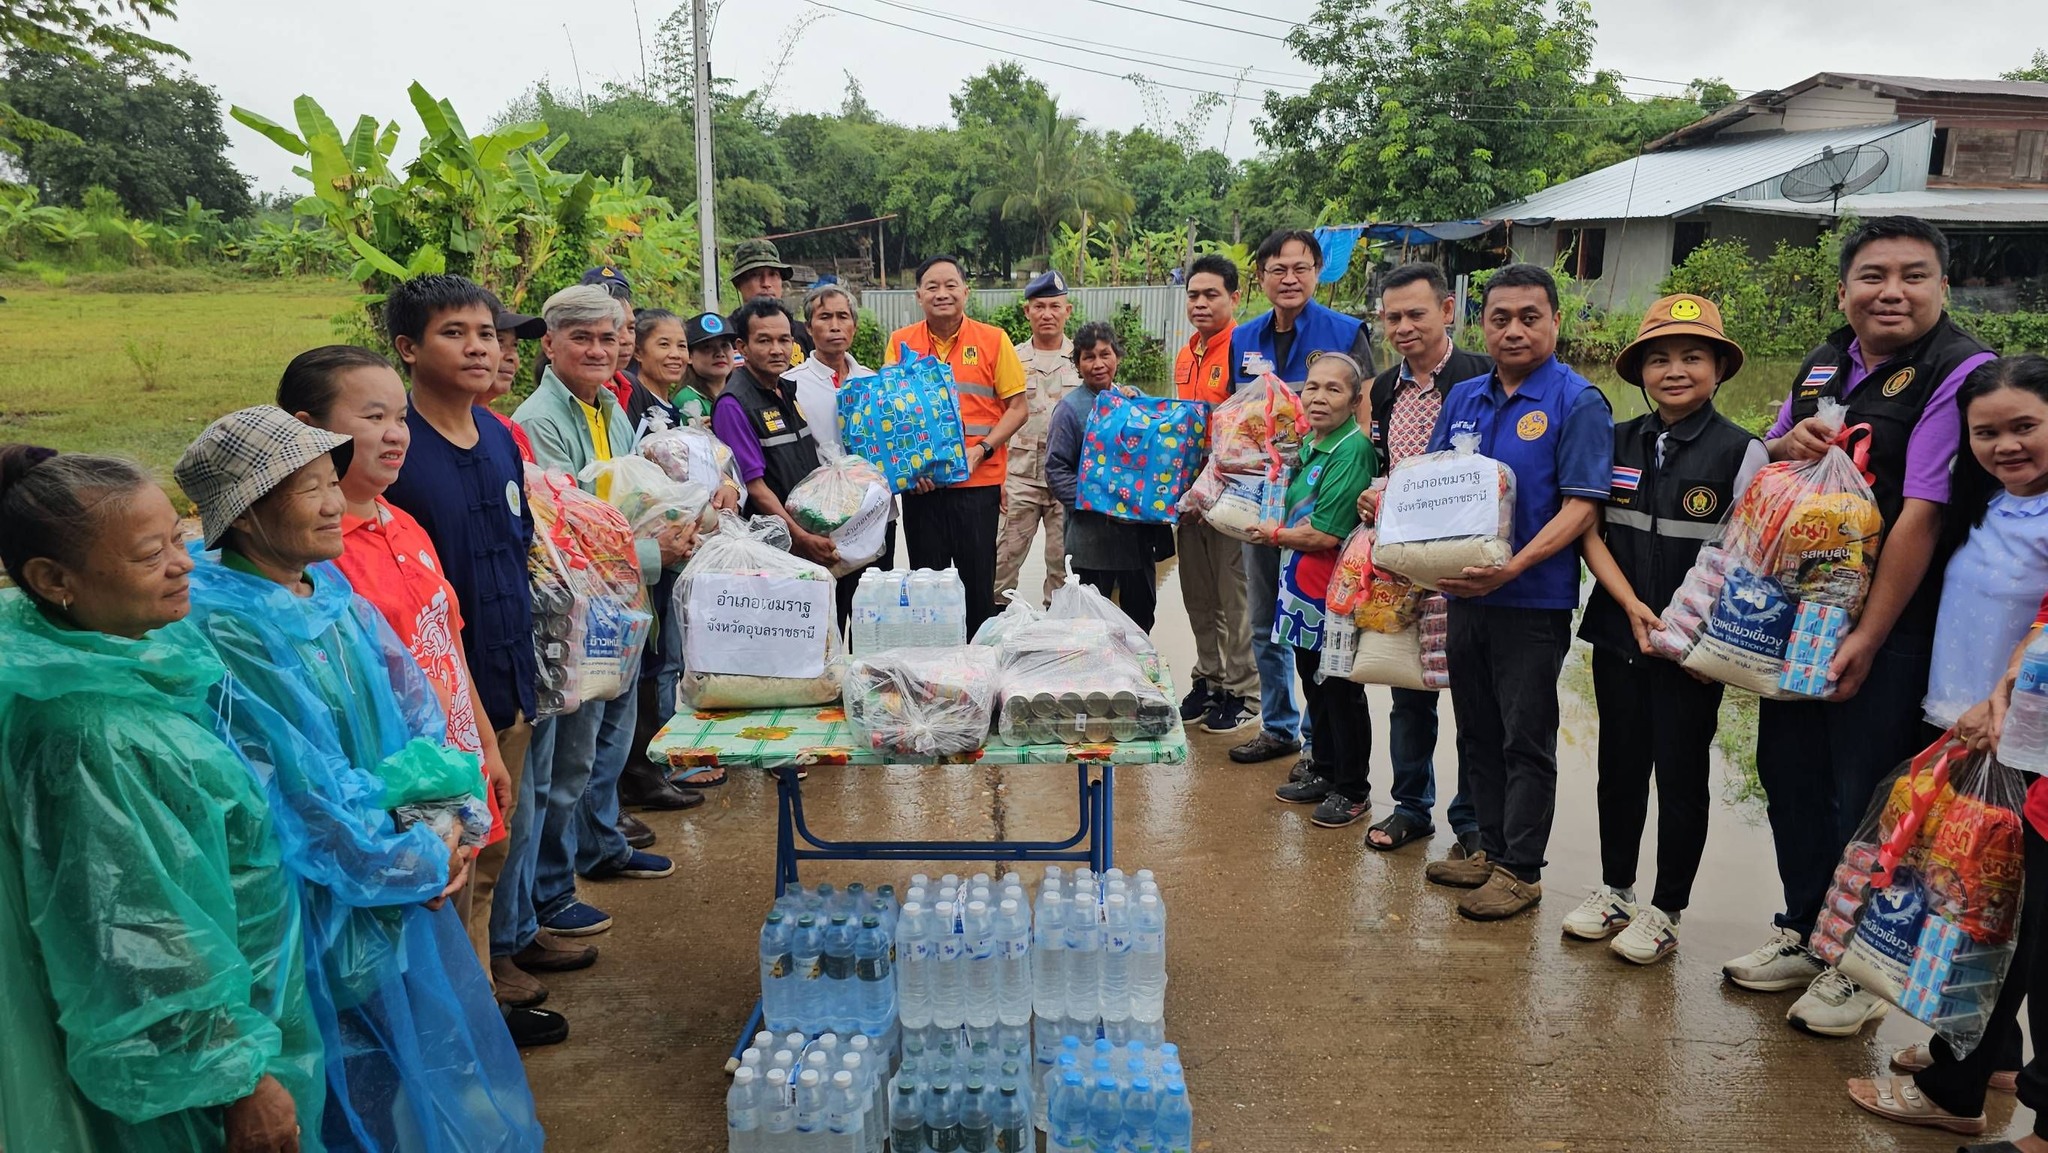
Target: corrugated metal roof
[
  {"x": 1940, "y": 205},
  {"x": 1680, "y": 180},
  {"x": 1935, "y": 86}
]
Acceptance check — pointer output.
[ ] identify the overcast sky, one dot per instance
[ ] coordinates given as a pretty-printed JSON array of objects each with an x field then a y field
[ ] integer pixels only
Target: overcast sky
[{"x": 360, "y": 56}]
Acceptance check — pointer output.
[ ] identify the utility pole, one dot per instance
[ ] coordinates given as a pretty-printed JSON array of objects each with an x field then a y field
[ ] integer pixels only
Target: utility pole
[{"x": 700, "y": 31}]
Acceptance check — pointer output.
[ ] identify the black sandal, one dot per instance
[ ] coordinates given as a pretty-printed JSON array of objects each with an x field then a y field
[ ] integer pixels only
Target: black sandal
[{"x": 1400, "y": 829}]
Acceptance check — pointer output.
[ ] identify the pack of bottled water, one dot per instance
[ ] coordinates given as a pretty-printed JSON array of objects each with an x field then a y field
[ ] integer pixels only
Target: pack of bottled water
[
  {"x": 1098, "y": 957},
  {"x": 828, "y": 963},
  {"x": 794, "y": 1094},
  {"x": 962, "y": 1095},
  {"x": 902, "y": 608},
  {"x": 1130, "y": 1100}
]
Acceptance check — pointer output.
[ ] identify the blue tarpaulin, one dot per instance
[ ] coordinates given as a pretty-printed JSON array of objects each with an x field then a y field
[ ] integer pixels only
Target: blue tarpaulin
[{"x": 1340, "y": 241}]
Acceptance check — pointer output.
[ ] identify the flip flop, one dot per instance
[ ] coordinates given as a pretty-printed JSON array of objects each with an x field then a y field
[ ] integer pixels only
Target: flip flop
[
  {"x": 1918, "y": 1057},
  {"x": 1400, "y": 829},
  {"x": 688, "y": 778},
  {"x": 1899, "y": 1099}
]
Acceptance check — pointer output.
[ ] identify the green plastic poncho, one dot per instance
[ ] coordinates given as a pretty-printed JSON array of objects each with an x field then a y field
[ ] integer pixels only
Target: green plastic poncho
[
  {"x": 336, "y": 718},
  {"x": 150, "y": 961}
]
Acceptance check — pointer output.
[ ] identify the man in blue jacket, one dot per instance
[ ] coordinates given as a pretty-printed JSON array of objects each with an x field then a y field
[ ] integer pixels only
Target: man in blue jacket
[{"x": 1281, "y": 342}]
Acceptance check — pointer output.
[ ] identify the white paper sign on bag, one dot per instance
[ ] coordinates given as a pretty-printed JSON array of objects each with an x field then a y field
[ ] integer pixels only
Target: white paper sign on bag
[
  {"x": 864, "y": 533},
  {"x": 760, "y": 626},
  {"x": 1440, "y": 499}
]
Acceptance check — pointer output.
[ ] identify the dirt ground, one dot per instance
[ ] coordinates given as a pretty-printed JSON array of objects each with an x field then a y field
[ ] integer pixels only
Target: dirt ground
[{"x": 1324, "y": 996}]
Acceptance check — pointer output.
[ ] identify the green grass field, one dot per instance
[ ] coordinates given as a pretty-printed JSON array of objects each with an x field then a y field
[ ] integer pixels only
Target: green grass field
[{"x": 140, "y": 374}]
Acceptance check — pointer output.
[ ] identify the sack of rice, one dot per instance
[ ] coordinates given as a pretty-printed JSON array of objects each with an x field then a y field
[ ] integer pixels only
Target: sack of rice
[{"x": 1445, "y": 512}]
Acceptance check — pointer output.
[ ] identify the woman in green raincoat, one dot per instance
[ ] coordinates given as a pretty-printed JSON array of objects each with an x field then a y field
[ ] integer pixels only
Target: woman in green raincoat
[{"x": 152, "y": 984}]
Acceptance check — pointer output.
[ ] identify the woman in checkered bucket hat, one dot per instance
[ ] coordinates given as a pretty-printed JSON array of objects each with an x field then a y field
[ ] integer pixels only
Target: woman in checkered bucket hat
[{"x": 376, "y": 814}]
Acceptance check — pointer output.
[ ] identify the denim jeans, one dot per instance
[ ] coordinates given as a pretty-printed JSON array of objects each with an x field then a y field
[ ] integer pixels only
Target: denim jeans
[
  {"x": 579, "y": 739},
  {"x": 598, "y": 841},
  {"x": 664, "y": 664},
  {"x": 513, "y": 920},
  {"x": 1411, "y": 745},
  {"x": 1277, "y": 712}
]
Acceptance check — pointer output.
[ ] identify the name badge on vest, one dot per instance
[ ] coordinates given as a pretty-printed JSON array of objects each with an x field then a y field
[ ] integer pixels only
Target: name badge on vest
[{"x": 774, "y": 421}]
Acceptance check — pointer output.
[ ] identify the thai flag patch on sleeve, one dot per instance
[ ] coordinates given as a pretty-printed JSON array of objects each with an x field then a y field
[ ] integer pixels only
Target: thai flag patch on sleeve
[{"x": 1627, "y": 479}]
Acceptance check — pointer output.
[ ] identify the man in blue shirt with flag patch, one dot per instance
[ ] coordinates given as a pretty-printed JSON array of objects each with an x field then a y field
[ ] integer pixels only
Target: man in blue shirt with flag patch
[{"x": 1510, "y": 627}]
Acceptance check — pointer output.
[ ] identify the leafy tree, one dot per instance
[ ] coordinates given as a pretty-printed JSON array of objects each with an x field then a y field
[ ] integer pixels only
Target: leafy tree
[
  {"x": 2036, "y": 68},
  {"x": 1629, "y": 124},
  {"x": 1050, "y": 175},
  {"x": 1436, "y": 109},
  {"x": 153, "y": 137},
  {"x": 998, "y": 97},
  {"x": 80, "y": 30}
]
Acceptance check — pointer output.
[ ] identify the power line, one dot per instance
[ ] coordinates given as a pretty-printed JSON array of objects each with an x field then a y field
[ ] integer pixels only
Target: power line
[
  {"x": 1240, "y": 12},
  {"x": 1202, "y": 23}
]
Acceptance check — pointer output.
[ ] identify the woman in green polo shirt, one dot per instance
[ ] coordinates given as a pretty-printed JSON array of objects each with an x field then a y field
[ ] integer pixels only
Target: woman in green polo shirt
[{"x": 1337, "y": 463}]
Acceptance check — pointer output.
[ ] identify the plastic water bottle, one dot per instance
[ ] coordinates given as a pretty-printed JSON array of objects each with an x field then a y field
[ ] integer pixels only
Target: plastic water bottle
[
  {"x": 1012, "y": 1122},
  {"x": 977, "y": 1119},
  {"x": 1049, "y": 955},
  {"x": 1116, "y": 967},
  {"x": 811, "y": 1093},
  {"x": 1105, "y": 1114},
  {"x": 914, "y": 968},
  {"x": 978, "y": 950},
  {"x": 1084, "y": 961},
  {"x": 941, "y": 1119},
  {"x": 807, "y": 1002},
  {"x": 868, "y": 598},
  {"x": 948, "y": 995},
  {"x": 1148, "y": 961},
  {"x": 839, "y": 1014},
  {"x": 952, "y": 608},
  {"x": 1176, "y": 1126},
  {"x": 743, "y": 1113},
  {"x": 2023, "y": 743},
  {"x": 1141, "y": 1118},
  {"x": 778, "y": 1113},
  {"x": 777, "y": 969},
  {"x": 906, "y": 1118},
  {"x": 843, "y": 1116},
  {"x": 1067, "y": 1131},
  {"x": 874, "y": 978},
  {"x": 1014, "y": 990},
  {"x": 893, "y": 591}
]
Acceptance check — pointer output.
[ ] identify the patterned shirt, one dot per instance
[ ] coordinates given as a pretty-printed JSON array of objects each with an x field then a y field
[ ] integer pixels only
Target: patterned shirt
[{"x": 1416, "y": 405}]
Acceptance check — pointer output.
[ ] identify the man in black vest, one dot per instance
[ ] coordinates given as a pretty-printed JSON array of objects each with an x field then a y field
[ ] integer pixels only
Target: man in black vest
[
  {"x": 758, "y": 418},
  {"x": 1416, "y": 311},
  {"x": 1897, "y": 365}
]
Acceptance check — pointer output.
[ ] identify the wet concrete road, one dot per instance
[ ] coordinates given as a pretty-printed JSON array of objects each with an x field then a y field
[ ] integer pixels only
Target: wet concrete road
[{"x": 1324, "y": 996}]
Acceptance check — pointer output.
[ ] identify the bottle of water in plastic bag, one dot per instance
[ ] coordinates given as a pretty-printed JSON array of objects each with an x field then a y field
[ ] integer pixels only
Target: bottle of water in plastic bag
[
  {"x": 777, "y": 973},
  {"x": 914, "y": 953},
  {"x": 1116, "y": 967},
  {"x": 1014, "y": 990},
  {"x": 2023, "y": 743},
  {"x": 1176, "y": 1125},
  {"x": 1148, "y": 961},
  {"x": 743, "y": 1113}
]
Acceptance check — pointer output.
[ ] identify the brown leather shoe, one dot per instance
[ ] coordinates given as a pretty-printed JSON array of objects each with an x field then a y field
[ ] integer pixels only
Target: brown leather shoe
[
  {"x": 1502, "y": 896},
  {"x": 516, "y": 988},
  {"x": 1468, "y": 872},
  {"x": 552, "y": 954},
  {"x": 635, "y": 831}
]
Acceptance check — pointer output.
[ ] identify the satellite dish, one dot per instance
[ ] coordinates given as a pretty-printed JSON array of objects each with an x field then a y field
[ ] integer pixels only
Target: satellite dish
[{"x": 1833, "y": 175}]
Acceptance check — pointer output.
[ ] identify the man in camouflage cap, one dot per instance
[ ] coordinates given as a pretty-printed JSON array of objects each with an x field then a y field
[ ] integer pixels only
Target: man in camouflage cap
[{"x": 758, "y": 270}]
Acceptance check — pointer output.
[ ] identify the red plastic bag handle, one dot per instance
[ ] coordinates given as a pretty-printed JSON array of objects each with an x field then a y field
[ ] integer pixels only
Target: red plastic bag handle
[
  {"x": 1937, "y": 756},
  {"x": 1855, "y": 442}
]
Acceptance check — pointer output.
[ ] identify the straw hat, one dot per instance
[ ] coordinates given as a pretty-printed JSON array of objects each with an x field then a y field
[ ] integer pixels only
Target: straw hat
[
  {"x": 245, "y": 454},
  {"x": 1680, "y": 315}
]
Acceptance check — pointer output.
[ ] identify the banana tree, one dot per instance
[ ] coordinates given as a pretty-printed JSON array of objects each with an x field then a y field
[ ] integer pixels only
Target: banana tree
[
  {"x": 355, "y": 192},
  {"x": 22, "y": 219}
]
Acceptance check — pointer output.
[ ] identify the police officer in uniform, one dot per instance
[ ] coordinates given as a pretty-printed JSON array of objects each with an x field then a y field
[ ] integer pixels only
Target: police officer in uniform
[
  {"x": 1048, "y": 376},
  {"x": 1897, "y": 365}
]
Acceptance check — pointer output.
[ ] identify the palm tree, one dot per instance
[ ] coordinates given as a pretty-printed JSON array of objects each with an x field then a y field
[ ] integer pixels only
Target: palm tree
[{"x": 1050, "y": 177}]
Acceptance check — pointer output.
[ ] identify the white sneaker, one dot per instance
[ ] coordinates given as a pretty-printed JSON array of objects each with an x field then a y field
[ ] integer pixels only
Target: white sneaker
[
  {"x": 1649, "y": 938},
  {"x": 1835, "y": 1006},
  {"x": 1781, "y": 963},
  {"x": 1602, "y": 914}
]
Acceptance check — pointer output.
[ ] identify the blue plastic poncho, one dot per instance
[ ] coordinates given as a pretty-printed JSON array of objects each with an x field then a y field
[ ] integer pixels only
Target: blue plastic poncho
[
  {"x": 150, "y": 964},
  {"x": 335, "y": 716}
]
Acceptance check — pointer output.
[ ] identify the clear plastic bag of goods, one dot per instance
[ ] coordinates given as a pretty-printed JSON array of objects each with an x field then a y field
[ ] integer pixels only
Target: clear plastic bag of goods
[
  {"x": 650, "y": 498},
  {"x": 693, "y": 456},
  {"x": 1924, "y": 908},
  {"x": 1077, "y": 693},
  {"x": 591, "y": 611},
  {"x": 760, "y": 627},
  {"x": 1445, "y": 512},
  {"x": 1374, "y": 599},
  {"x": 1686, "y": 616},
  {"x": 848, "y": 500},
  {"x": 1020, "y": 611},
  {"x": 1254, "y": 439},
  {"x": 923, "y": 702},
  {"x": 1435, "y": 627},
  {"x": 1077, "y": 601}
]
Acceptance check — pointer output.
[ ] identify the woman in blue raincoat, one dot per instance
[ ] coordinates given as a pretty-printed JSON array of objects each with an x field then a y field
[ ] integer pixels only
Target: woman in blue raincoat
[
  {"x": 152, "y": 987},
  {"x": 375, "y": 813}
]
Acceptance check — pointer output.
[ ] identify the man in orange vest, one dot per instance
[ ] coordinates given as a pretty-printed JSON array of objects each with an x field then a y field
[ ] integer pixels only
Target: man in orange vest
[{"x": 955, "y": 527}]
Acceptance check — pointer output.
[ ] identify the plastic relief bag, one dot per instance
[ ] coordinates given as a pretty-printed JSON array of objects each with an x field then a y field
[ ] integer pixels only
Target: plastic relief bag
[
  {"x": 848, "y": 500},
  {"x": 926, "y": 702},
  {"x": 1019, "y": 612},
  {"x": 591, "y": 617},
  {"x": 1076, "y": 601},
  {"x": 692, "y": 456},
  {"x": 1074, "y": 682},
  {"x": 906, "y": 420},
  {"x": 1254, "y": 439},
  {"x": 760, "y": 627},
  {"x": 650, "y": 498},
  {"x": 1924, "y": 908},
  {"x": 1138, "y": 456},
  {"x": 1444, "y": 512}
]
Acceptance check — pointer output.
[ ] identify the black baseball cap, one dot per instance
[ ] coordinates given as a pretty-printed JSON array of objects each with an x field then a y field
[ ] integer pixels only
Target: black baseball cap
[
  {"x": 611, "y": 278},
  {"x": 704, "y": 328},
  {"x": 519, "y": 324}
]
